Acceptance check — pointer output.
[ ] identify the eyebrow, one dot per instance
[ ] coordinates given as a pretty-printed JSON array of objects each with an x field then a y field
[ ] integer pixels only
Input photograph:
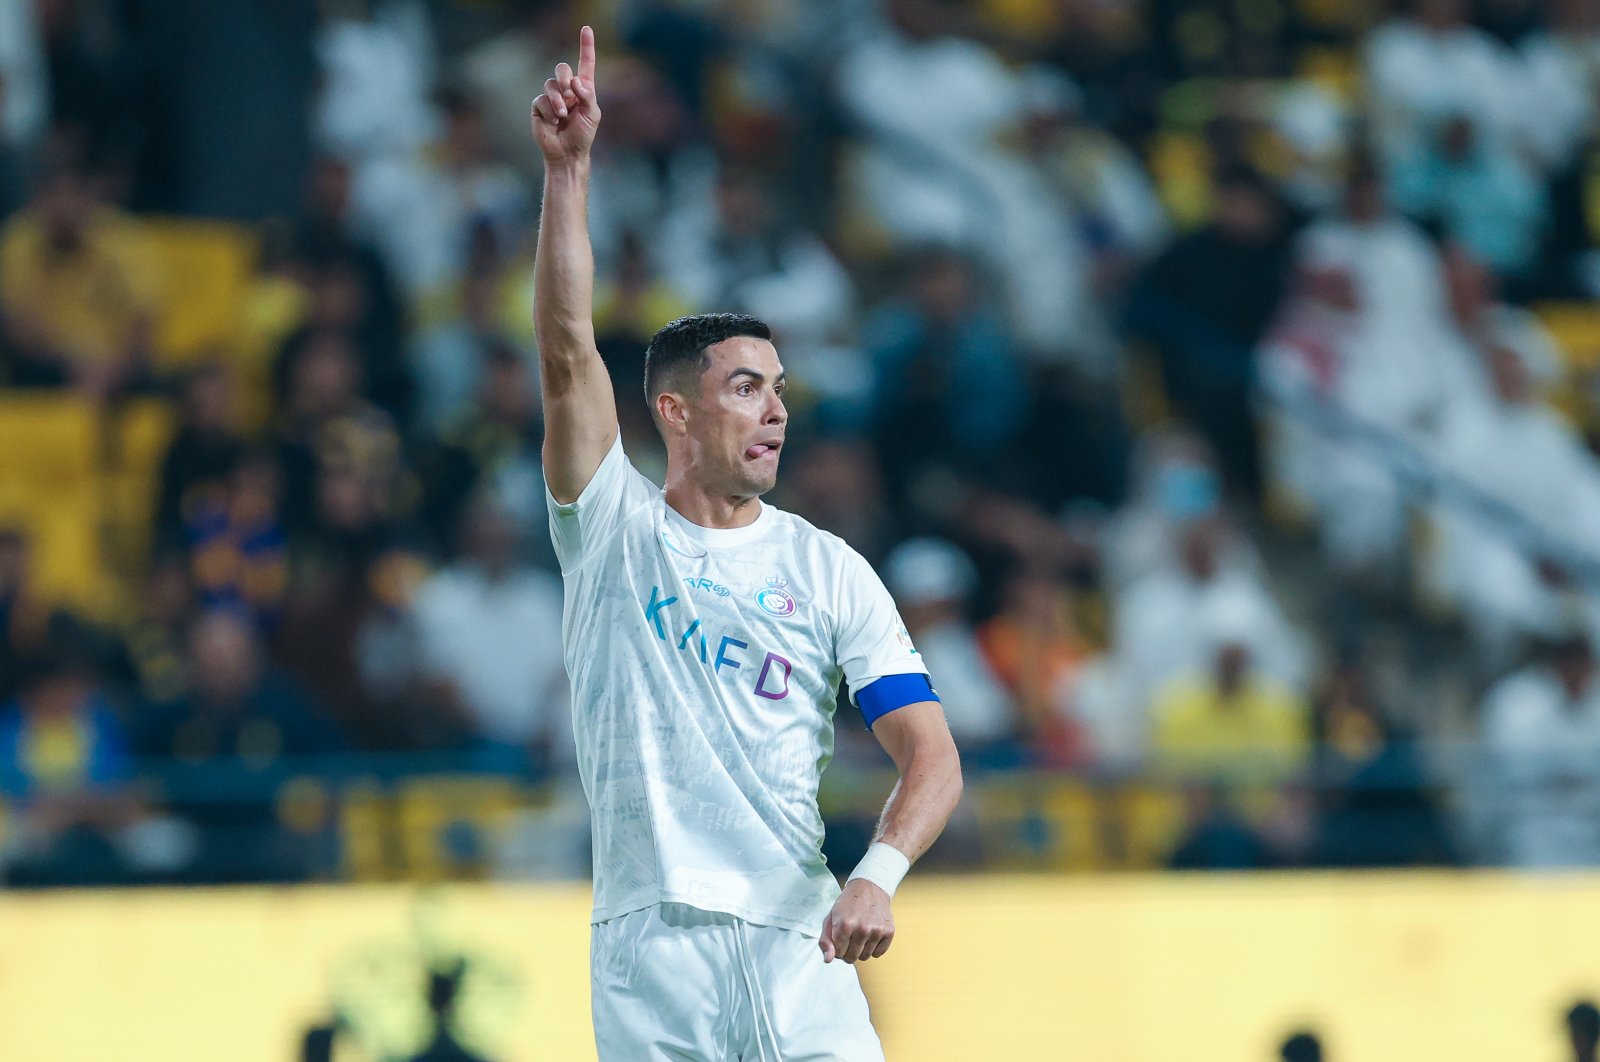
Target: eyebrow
[{"x": 756, "y": 376}]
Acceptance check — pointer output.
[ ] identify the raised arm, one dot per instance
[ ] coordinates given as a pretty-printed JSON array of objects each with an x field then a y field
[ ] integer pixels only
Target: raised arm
[
  {"x": 580, "y": 410},
  {"x": 917, "y": 738}
]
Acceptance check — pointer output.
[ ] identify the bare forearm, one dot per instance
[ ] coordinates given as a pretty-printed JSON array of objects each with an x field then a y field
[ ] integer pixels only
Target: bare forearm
[
  {"x": 563, "y": 300},
  {"x": 922, "y": 802}
]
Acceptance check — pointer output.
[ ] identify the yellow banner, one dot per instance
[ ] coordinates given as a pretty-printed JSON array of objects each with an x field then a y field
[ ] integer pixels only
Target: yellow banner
[{"x": 1111, "y": 969}]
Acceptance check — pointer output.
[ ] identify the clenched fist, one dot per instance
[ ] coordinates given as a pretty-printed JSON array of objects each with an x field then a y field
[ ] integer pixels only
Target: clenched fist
[{"x": 860, "y": 926}]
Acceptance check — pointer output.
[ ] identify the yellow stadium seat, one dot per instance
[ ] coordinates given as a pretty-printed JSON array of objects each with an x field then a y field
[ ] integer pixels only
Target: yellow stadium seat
[
  {"x": 203, "y": 269},
  {"x": 1152, "y": 820},
  {"x": 142, "y": 430},
  {"x": 1181, "y": 164},
  {"x": 130, "y": 508},
  {"x": 448, "y": 825},
  {"x": 1575, "y": 327},
  {"x": 63, "y": 527},
  {"x": 47, "y": 438},
  {"x": 1029, "y": 823},
  {"x": 366, "y": 830}
]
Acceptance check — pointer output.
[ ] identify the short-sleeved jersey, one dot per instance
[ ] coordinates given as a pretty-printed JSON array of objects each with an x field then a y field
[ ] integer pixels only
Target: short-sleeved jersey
[{"x": 705, "y": 665}]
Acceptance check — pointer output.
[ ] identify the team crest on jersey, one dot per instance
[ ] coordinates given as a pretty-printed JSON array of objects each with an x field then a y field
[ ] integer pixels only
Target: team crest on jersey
[{"x": 775, "y": 599}]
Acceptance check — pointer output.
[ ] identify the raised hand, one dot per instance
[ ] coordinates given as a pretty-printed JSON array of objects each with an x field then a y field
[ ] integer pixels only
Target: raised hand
[{"x": 567, "y": 114}]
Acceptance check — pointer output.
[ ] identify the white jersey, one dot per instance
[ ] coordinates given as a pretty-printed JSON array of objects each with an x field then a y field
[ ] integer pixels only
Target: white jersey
[{"x": 705, "y": 665}]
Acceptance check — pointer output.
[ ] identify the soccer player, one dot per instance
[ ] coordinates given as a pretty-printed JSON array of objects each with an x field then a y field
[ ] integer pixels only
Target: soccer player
[{"x": 706, "y": 634}]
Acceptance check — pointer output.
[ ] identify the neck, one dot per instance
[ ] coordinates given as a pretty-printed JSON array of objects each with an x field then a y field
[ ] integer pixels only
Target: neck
[{"x": 710, "y": 509}]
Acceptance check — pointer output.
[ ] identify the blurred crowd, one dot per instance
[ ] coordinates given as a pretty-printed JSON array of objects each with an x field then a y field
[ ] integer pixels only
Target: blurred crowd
[{"x": 1182, "y": 366}]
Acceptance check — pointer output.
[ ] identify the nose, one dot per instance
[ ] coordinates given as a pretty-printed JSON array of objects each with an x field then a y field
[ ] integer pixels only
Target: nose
[{"x": 777, "y": 413}]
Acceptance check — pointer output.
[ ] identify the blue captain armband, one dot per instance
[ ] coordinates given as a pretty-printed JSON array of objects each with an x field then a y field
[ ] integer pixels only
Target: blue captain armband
[{"x": 882, "y": 696}]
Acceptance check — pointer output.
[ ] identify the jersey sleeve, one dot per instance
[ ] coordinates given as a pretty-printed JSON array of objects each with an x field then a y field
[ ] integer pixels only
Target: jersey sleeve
[
  {"x": 873, "y": 648},
  {"x": 615, "y": 490}
]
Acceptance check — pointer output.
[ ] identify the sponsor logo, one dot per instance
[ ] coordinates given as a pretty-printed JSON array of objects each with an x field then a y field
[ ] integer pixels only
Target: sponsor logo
[
  {"x": 775, "y": 599},
  {"x": 708, "y": 586}
]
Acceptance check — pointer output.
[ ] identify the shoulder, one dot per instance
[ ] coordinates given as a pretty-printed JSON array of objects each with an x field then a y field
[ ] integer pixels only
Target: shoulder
[{"x": 819, "y": 544}]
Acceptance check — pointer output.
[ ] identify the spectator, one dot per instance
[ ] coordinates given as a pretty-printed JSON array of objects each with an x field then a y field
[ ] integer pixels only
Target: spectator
[
  {"x": 1217, "y": 837},
  {"x": 202, "y": 455},
  {"x": 151, "y": 661},
  {"x": 439, "y": 214},
  {"x": 489, "y": 639},
  {"x": 941, "y": 359},
  {"x": 1034, "y": 646},
  {"x": 1518, "y": 451},
  {"x": 943, "y": 118},
  {"x": 739, "y": 252},
  {"x": 1541, "y": 732},
  {"x": 64, "y": 765},
  {"x": 932, "y": 581},
  {"x": 1232, "y": 720},
  {"x": 1376, "y": 807},
  {"x": 492, "y": 448},
  {"x": 1176, "y": 483},
  {"x": 29, "y": 622},
  {"x": 237, "y": 547},
  {"x": 1206, "y": 303},
  {"x": 447, "y": 356},
  {"x": 348, "y": 286},
  {"x": 242, "y": 717},
  {"x": 1492, "y": 202},
  {"x": 74, "y": 290},
  {"x": 1431, "y": 64},
  {"x": 236, "y": 706},
  {"x": 499, "y": 71},
  {"x": 1168, "y": 622},
  {"x": 1560, "y": 62},
  {"x": 327, "y": 421},
  {"x": 25, "y": 104},
  {"x": 838, "y": 485},
  {"x": 1369, "y": 329}
]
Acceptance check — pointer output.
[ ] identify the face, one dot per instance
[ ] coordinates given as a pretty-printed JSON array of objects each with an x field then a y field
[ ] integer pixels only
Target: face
[
  {"x": 227, "y": 658},
  {"x": 730, "y": 432}
]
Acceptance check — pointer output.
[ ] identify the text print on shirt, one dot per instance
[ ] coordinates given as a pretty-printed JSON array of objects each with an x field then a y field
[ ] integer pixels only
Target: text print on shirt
[{"x": 773, "y": 680}]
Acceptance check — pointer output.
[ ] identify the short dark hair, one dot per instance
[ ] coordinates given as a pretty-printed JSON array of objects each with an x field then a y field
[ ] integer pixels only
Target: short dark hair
[{"x": 679, "y": 349}]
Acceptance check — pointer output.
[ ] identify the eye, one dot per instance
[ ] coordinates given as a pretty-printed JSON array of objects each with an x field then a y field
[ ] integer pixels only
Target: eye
[{"x": 746, "y": 389}]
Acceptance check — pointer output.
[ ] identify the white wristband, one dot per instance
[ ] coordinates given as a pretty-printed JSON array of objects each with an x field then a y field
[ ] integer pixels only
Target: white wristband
[{"x": 884, "y": 865}]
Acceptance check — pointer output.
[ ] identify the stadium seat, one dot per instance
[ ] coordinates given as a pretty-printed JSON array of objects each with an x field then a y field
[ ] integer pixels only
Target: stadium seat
[
  {"x": 1031, "y": 823},
  {"x": 141, "y": 431},
  {"x": 366, "y": 829},
  {"x": 202, "y": 269},
  {"x": 1575, "y": 327},
  {"x": 62, "y": 523},
  {"x": 1151, "y": 821},
  {"x": 47, "y": 438},
  {"x": 449, "y": 826}
]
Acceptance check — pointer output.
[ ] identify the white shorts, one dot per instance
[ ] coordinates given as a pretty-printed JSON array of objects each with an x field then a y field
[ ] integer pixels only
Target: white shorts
[{"x": 673, "y": 982}]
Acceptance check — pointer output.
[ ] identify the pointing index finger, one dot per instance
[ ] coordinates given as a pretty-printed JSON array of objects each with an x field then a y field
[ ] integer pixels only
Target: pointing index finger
[{"x": 586, "y": 54}]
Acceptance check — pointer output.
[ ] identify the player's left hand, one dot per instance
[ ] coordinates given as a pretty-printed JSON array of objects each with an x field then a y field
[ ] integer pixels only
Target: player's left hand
[{"x": 860, "y": 926}]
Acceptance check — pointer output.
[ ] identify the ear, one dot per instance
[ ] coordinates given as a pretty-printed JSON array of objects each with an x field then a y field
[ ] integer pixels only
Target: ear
[{"x": 672, "y": 411}]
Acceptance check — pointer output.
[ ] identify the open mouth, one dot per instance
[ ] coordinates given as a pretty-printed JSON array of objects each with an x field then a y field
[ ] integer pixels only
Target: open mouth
[{"x": 763, "y": 449}]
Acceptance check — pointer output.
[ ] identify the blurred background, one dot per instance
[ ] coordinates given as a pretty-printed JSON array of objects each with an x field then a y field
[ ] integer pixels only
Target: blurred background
[{"x": 1214, "y": 383}]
